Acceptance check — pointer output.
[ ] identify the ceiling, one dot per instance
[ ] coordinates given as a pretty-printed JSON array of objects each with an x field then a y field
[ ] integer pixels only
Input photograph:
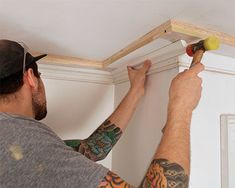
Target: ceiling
[{"x": 96, "y": 29}]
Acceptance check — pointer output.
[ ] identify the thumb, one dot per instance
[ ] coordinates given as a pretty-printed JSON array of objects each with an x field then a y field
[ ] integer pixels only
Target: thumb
[
  {"x": 197, "y": 68},
  {"x": 146, "y": 66},
  {"x": 130, "y": 70}
]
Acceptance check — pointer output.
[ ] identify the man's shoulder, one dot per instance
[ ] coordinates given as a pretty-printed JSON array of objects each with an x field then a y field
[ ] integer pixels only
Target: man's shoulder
[
  {"x": 22, "y": 127},
  {"x": 19, "y": 120}
]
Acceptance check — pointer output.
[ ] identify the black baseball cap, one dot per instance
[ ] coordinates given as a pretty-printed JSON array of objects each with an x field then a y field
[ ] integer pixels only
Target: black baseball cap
[{"x": 12, "y": 58}]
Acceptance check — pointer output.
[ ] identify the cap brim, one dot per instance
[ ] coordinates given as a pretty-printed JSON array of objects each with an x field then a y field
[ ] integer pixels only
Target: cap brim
[{"x": 39, "y": 57}]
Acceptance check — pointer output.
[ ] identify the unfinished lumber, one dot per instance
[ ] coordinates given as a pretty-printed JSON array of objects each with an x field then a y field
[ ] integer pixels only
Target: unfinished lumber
[
  {"x": 199, "y": 32},
  {"x": 57, "y": 59},
  {"x": 146, "y": 39},
  {"x": 172, "y": 30}
]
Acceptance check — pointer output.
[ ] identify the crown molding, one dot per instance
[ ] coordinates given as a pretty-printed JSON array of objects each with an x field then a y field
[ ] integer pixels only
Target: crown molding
[
  {"x": 173, "y": 56},
  {"x": 166, "y": 58},
  {"x": 162, "y": 59},
  {"x": 70, "y": 73}
]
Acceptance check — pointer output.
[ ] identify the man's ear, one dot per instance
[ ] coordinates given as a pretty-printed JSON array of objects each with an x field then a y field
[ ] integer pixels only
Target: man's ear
[{"x": 31, "y": 79}]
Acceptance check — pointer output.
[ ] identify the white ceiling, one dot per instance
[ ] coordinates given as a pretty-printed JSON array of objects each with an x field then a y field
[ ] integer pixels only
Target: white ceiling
[{"x": 96, "y": 29}]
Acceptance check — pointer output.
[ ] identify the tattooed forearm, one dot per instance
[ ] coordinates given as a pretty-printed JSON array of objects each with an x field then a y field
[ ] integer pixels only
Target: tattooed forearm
[
  {"x": 73, "y": 143},
  {"x": 99, "y": 144},
  {"x": 112, "y": 180},
  {"x": 163, "y": 174}
]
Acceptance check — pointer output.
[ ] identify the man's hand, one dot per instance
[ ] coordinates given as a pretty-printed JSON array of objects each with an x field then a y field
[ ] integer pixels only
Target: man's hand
[
  {"x": 138, "y": 78},
  {"x": 185, "y": 90}
]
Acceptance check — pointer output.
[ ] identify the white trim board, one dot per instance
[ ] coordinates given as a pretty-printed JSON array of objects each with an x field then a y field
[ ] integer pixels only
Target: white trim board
[
  {"x": 69, "y": 73},
  {"x": 227, "y": 121},
  {"x": 163, "y": 59},
  {"x": 173, "y": 56}
]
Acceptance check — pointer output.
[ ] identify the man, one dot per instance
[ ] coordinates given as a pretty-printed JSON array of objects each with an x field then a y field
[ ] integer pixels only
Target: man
[{"x": 32, "y": 155}]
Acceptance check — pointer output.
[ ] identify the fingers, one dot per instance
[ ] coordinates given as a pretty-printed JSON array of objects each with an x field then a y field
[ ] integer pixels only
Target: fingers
[
  {"x": 129, "y": 68},
  {"x": 197, "y": 68},
  {"x": 130, "y": 71},
  {"x": 146, "y": 66}
]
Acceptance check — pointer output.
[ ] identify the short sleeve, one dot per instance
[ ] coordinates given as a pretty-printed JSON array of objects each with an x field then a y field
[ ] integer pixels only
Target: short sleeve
[{"x": 65, "y": 167}]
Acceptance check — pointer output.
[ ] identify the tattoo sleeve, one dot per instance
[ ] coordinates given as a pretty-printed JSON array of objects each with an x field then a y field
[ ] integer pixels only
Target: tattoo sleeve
[
  {"x": 112, "y": 180},
  {"x": 100, "y": 143},
  {"x": 163, "y": 174}
]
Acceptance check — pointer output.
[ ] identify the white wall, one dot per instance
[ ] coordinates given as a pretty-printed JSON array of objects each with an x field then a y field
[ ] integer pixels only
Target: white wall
[
  {"x": 135, "y": 150},
  {"x": 77, "y": 108}
]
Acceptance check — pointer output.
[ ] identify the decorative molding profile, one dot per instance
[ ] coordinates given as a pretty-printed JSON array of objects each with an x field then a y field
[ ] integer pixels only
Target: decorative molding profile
[
  {"x": 163, "y": 59},
  {"x": 67, "y": 73},
  {"x": 166, "y": 58},
  {"x": 173, "y": 56}
]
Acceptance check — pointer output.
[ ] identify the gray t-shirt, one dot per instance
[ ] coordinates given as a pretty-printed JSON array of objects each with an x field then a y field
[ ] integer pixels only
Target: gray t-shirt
[{"x": 32, "y": 155}]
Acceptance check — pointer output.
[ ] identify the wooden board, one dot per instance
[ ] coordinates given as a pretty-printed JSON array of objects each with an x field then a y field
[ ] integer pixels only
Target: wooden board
[
  {"x": 56, "y": 59},
  {"x": 200, "y": 32},
  {"x": 172, "y": 30},
  {"x": 146, "y": 39}
]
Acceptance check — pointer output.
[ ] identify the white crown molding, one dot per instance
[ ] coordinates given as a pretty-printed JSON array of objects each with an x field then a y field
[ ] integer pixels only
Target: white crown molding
[
  {"x": 162, "y": 59},
  {"x": 168, "y": 57},
  {"x": 173, "y": 56},
  {"x": 70, "y": 73}
]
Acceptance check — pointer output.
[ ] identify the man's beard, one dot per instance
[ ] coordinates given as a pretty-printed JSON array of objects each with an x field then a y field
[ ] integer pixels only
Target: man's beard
[{"x": 39, "y": 106}]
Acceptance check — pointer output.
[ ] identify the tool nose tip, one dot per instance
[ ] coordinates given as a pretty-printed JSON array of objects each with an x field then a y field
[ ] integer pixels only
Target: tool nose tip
[{"x": 211, "y": 43}]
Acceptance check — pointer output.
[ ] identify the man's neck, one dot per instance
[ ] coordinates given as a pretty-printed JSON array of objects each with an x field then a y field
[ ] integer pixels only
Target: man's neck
[{"x": 16, "y": 108}]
